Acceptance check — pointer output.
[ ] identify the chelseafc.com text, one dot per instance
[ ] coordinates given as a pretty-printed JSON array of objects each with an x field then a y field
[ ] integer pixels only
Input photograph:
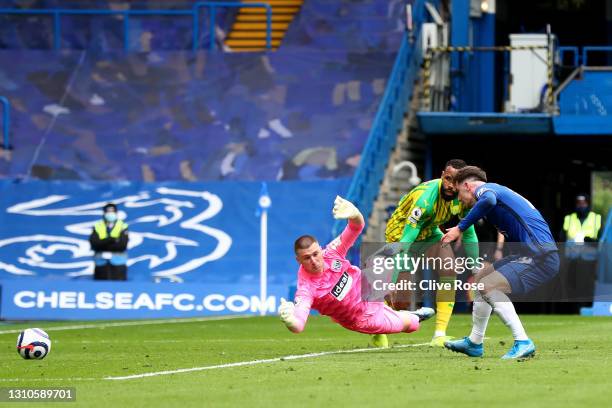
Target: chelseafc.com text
[{"x": 180, "y": 302}]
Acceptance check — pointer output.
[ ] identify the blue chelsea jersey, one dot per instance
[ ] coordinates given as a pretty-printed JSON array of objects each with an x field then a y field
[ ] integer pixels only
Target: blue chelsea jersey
[{"x": 517, "y": 219}]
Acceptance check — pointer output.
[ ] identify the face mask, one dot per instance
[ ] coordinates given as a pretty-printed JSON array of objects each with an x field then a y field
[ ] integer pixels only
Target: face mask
[
  {"x": 582, "y": 211},
  {"x": 110, "y": 217}
]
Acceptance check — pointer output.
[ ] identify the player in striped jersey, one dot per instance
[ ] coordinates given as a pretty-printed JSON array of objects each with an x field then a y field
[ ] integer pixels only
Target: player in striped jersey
[{"x": 416, "y": 222}]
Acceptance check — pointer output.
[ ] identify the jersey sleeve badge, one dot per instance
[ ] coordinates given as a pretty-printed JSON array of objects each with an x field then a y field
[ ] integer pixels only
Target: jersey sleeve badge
[{"x": 415, "y": 215}]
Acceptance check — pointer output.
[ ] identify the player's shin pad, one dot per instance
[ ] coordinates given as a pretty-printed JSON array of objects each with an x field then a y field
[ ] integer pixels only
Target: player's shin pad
[{"x": 445, "y": 302}]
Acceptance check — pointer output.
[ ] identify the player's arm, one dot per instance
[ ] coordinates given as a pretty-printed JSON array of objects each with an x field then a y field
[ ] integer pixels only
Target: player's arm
[
  {"x": 412, "y": 229},
  {"x": 470, "y": 243},
  {"x": 418, "y": 215},
  {"x": 486, "y": 202},
  {"x": 344, "y": 209},
  {"x": 409, "y": 235},
  {"x": 499, "y": 246},
  {"x": 295, "y": 314}
]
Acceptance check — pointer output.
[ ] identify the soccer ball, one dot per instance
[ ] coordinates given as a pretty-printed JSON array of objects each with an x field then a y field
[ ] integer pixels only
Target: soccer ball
[{"x": 33, "y": 344}]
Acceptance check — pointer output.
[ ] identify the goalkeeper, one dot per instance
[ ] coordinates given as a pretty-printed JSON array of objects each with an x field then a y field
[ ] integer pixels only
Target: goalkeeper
[
  {"x": 328, "y": 283},
  {"x": 416, "y": 223}
]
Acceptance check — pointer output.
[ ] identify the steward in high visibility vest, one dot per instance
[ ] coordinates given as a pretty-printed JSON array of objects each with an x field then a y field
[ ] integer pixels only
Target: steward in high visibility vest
[
  {"x": 579, "y": 230},
  {"x": 579, "y": 227},
  {"x": 109, "y": 240}
]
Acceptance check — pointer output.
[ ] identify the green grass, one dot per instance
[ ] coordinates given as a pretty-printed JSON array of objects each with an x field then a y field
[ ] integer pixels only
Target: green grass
[{"x": 572, "y": 366}]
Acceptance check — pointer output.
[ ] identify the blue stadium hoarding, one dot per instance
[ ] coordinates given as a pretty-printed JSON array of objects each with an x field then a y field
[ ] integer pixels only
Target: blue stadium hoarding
[{"x": 39, "y": 299}]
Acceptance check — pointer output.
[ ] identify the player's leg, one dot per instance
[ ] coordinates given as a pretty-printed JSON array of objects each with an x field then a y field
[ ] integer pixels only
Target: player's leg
[
  {"x": 445, "y": 298},
  {"x": 410, "y": 320},
  {"x": 389, "y": 321},
  {"x": 481, "y": 310},
  {"x": 506, "y": 277},
  {"x": 496, "y": 288},
  {"x": 482, "y": 307},
  {"x": 400, "y": 299}
]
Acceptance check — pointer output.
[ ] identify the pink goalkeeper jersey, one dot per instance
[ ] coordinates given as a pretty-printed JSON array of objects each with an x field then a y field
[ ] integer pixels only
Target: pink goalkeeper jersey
[{"x": 337, "y": 291}]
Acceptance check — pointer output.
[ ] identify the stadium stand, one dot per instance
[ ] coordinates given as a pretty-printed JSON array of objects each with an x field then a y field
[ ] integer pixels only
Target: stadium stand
[
  {"x": 294, "y": 114},
  {"x": 286, "y": 115},
  {"x": 371, "y": 25},
  {"x": 92, "y": 123}
]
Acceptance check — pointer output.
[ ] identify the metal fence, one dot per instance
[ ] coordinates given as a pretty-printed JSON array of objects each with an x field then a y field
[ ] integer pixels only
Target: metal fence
[{"x": 194, "y": 12}]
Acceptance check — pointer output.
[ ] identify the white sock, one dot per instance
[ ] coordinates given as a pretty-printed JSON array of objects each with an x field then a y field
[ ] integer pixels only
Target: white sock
[
  {"x": 480, "y": 317},
  {"x": 507, "y": 314},
  {"x": 439, "y": 333}
]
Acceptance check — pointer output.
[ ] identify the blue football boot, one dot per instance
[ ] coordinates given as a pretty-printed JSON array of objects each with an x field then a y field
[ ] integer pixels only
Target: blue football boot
[
  {"x": 465, "y": 346},
  {"x": 520, "y": 349}
]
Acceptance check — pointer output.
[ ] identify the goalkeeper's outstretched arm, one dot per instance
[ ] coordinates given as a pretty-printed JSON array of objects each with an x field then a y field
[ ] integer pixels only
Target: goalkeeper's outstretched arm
[
  {"x": 344, "y": 209},
  {"x": 294, "y": 316}
]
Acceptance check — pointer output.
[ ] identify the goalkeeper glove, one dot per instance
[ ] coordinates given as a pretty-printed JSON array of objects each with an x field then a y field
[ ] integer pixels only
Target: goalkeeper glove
[
  {"x": 286, "y": 310},
  {"x": 344, "y": 209}
]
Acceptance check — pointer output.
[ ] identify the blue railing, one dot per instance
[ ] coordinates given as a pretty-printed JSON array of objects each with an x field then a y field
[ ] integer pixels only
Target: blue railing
[
  {"x": 194, "y": 12},
  {"x": 213, "y": 6},
  {"x": 6, "y": 122},
  {"x": 569, "y": 49},
  {"x": 388, "y": 122},
  {"x": 581, "y": 58},
  {"x": 588, "y": 49}
]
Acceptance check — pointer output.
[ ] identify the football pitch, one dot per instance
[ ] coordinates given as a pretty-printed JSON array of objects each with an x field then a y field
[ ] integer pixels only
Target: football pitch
[{"x": 256, "y": 362}]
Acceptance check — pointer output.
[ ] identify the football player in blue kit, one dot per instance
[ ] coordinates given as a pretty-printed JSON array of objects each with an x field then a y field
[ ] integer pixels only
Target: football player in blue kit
[{"x": 536, "y": 263}]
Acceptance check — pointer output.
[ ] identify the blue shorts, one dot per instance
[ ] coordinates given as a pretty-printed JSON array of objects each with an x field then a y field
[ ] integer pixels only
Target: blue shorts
[{"x": 526, "y": 273}]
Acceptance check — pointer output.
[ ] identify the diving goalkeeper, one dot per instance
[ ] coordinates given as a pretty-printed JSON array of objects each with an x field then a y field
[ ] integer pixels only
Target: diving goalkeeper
[{"x": 328, "y": 283}]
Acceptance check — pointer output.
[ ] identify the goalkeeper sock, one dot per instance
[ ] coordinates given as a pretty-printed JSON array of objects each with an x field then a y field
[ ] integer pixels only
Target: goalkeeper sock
[
  {"x": 445, "y": 301},
  {"x": 480, "y": 319}
]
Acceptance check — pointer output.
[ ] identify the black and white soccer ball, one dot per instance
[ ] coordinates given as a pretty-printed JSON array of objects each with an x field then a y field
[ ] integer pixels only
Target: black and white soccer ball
[{"x": 33, "y": 344}]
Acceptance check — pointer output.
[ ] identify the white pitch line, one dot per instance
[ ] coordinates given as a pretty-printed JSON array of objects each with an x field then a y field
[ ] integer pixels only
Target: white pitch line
[
  {"x": 254, "y": 362},
  {"x": 132, "y": 323},
  {"x": 46, "y": 379}
]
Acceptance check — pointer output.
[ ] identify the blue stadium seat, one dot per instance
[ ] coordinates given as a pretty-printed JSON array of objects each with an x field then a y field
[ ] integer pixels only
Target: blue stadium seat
[{"x": 176, "y": 115}]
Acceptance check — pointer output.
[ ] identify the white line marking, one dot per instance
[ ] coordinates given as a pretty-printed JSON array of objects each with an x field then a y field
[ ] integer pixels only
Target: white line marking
[
  {"x": 254, "y": 362},
  {"x": 46, "y": 379},
  {"x": 132, "y": 323}
]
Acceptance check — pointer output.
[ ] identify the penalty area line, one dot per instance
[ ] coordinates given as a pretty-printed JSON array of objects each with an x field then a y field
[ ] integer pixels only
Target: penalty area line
[{"x": 263, "y": 361}]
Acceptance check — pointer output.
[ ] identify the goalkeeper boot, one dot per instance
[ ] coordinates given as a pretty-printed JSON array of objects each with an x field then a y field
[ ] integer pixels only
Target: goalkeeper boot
[
  {"x": 465, "y": 346},
  {"x": 423, "y": 313},
  {"x": 520, "y": 349},
  {"x": 379, "y": 341}
]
